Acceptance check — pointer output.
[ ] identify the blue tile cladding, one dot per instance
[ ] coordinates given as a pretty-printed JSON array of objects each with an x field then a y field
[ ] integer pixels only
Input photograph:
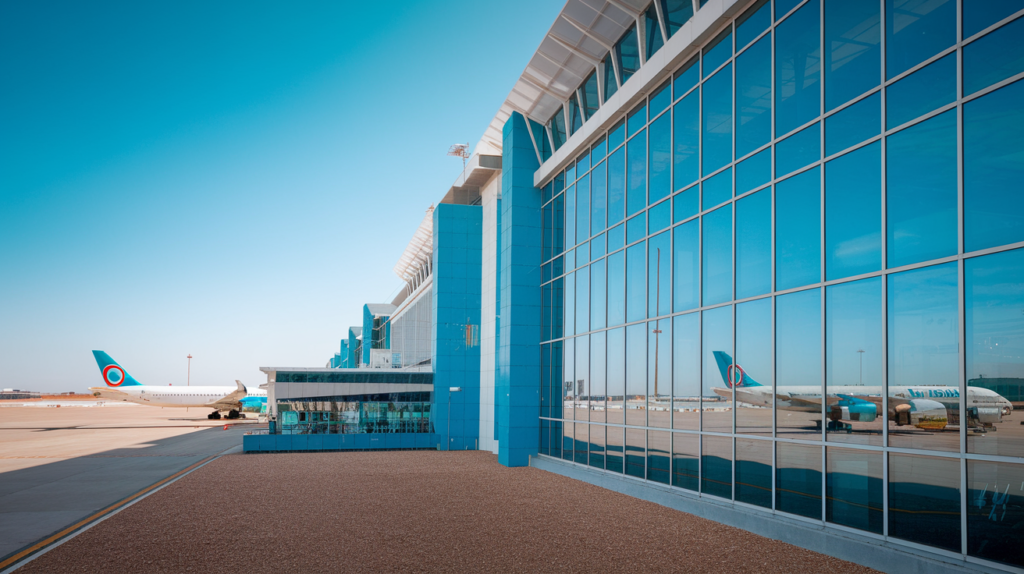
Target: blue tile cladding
[
  {"x": 456, "y": 322},
  {"x": 517, "y": 376}
]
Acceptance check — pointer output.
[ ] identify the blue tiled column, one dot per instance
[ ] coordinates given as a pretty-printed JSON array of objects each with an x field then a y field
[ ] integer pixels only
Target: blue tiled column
[
  {"x": 458, "y": 262},
  {"x": 367, "y": 334},
  {"x": 517, "y": 381}
]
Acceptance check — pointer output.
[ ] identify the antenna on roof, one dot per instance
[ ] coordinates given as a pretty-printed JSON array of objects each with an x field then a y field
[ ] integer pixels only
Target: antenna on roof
[{"x": 460, "y": 150}]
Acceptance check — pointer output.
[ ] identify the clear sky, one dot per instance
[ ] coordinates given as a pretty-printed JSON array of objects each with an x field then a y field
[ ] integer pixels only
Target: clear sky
[{"x": 232, "y": 180}]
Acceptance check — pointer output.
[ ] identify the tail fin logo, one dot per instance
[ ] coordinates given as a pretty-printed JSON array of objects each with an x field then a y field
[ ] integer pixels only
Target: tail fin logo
[
  {"x": 113, "y": 375},
  {"x": 731, "y": 379}
]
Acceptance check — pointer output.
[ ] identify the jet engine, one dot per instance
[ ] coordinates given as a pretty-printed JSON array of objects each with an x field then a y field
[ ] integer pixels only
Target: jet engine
[
  {"x": 986, "y": 415},
  {"x": 853, "y": 410},
  {"x": 922, "y": 413}
]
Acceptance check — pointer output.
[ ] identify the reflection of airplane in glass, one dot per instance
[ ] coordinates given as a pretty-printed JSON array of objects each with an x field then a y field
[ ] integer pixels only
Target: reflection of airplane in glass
[{"x": 922, "y": 406}]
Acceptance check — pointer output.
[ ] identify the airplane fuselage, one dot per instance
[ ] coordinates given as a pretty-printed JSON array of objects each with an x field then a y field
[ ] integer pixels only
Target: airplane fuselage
[
  {"x": 207, "y": 396},
  {"x": 808, "y": 398}
]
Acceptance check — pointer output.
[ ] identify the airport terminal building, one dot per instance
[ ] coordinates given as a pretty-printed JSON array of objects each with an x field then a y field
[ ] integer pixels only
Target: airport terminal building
[{"x": 762, "y": 260}]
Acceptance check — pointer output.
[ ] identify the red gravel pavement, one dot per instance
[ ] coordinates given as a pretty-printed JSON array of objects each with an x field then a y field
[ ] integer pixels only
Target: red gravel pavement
[{"x": 408, "y": 511}]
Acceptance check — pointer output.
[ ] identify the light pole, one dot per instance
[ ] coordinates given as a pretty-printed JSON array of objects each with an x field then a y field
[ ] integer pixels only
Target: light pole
[
  {"x": 860, "y": 353},
  {"x": 448, "y": 445},
  {"x": 188, "y": 381}
]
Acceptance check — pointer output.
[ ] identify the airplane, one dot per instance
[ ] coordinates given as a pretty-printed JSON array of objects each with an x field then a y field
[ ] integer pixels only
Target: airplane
[
  {"x": 120, "y": 386},
  {"x": 923, "y": 407}
]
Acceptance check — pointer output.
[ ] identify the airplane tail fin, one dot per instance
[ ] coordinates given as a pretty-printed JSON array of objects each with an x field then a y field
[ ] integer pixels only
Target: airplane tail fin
[
  {"x": 113, "y": 374},
  {"x": 733, "y": 374}
]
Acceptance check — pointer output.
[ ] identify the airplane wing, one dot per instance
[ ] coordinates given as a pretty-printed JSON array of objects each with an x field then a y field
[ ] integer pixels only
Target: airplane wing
[{"x": 232, "y": 400}]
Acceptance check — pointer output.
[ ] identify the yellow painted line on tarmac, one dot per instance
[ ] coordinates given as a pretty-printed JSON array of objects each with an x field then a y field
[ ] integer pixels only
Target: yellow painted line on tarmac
[{"x": 54, "y": 538}]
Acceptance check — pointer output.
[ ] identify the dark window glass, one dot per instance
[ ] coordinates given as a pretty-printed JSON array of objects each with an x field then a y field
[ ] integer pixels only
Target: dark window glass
[
  {"x": 636, "y": 284},
  {"x": 568, "y": 389},
  {"x": 995, "y": 511},
  {"x": 628, "y": 53},
  {"x": 617, "y": 135},
  {"x": 598, "y": 150},
  {"x": 717, "y": 336},
  {"x": 590, "y": 100},
  {"x": 853, "y": 488},
  {"x": 923, "y": 357},
  {"x": 659, "y": 373},
  {"x": 582, "y": 374},
  {"x": 797, "y": 69},
  {"x": 636, "y": 228},
  {"x": 857, "y": 123},
  {"x": 582, "y": 164},
  {"x": 686, "y": 265},
  {"x": 616, "y": 238},
  {"x": 994, "y": 57},
  {"x": 717, "y": 51},
  {"x": 596, "y": 459},
  {"x": 614, "y": 452},
  {"x": 993, "y": 170},
  {"x": 717, "y": 261},
  {"x": 583, "y": 300},
  {"x": 853, "y": 51},
  {"x": 994, "y": 300},
  {"x": 652, "y": 32},
  {"x": 677, "y": 13},
  {"x": 581, "y": 443},
  {"x": 916, "y": 31},
  {"x": 659, "y": 217},
  {"x": 556, "y": 392},
  {"x": 636, "y": 452},
  {"x": 783, "y": 7},
  {"x": 754, "y": 96},
  {"x": 717, "y": 189},
  {"x": 686, "y": 78},
  {"x": 659, "y": 265},
  {"x": 798, "y": 230},
  {"x": 546, "y": 215},
  {"x": 610, "y": 85},
  {"x": 751, "y": 376},
  {"x": 754, "y": 472},
  {"x": 717, "y": 121},
  {"x": 798, "y": 150},
  {"x": 755, "y": 20},
  {"x": 617, "y": 186},
  {"x": 557, "y": 327},
  {"x": 754, "y": 244},
  {"x": 583, "y": 208},
  {"x": 980, "y": 14},
  {"x": 925, "y": 90},
  {"x": 686, "y": 125},
  {"x": 570, "y": 172},
  {"x": 716, "y": 471},
  {"x": 921, "y": 192},
  {"x": 598, "y": 384},
  {"x": 570, "y": 218},
  {"x": 659, "y": 456},
  {"x": 661, "y": 159},
  {"x": 636, "y": 119},
  {"x": 616, "y": 288},
  {"x": 556, "y": 439},
  {"x": 798, "y": 479},
  {"x": 597, "y": 294},
  {"x": 575, "y": 116},
  {"x": 616, "y": 376},
  {"x": 636, "y": 194},
  {"x": 853, "y": 214},
  {"x": 798, "y": 362},
  {"x": 540, "y": 137},
  {"x": 853, "y": 362},
  {"x": 686, "y": 374},
  {"x": 686, "y": 204},
  {"x": 754, "y": 171},
  {"x": 598, "y": 197},
  {"x": 569, "y": 298},
  {"x": 636, "y": 375},
  {"x": 545, "y": 437},
  {"x": 557, "y": 126},
  {"x": 684, "y": 461},
  {"x": 661, "y": 98},
  {"x": 924, "y": 500}
]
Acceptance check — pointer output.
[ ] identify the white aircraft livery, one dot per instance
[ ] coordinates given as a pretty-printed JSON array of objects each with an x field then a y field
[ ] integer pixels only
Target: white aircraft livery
[{"x": 120, "y": 386}]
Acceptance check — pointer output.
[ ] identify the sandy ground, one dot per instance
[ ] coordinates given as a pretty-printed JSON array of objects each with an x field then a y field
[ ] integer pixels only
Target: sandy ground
[{"x": 412, "y": 511}]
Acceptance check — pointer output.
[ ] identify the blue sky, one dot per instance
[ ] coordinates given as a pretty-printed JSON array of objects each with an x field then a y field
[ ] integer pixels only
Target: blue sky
[{"x": 231, "y": 180}]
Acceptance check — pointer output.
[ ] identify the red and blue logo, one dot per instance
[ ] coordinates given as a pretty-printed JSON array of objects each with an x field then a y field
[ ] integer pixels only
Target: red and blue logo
[
  {"x": 113, "y": 375},
  {"x": 735, "y": 371}
]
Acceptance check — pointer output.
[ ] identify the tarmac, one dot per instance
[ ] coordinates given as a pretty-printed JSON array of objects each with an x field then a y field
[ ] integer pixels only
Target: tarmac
[{"x": 59, "y": 466}]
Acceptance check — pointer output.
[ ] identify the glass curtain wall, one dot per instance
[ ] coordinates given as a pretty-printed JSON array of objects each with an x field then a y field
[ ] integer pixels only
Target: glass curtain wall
[{"x": 792, "y": 275}]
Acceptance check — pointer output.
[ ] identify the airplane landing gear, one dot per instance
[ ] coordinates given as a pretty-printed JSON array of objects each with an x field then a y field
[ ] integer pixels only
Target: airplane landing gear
[
  {"x": 215, "y": 415},
  {"x": 232, "y": 414}
]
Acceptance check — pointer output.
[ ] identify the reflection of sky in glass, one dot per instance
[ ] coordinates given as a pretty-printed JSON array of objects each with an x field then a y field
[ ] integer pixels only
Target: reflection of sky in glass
[
  {"x": 686, "y": 265},
  {"x": 798, "y": 339},
  {"x": 717, "y": 261},
  {"x": 717, "y": 336},
  {"x": 853, "y": 333},
  {"x": 994, "y": 300},
  {"x": 853, "y": 213},
  {"x": 754, "y": 340},
  {"x": 686, "y": 355},
  {"x": 636, "y": 359},
  {"x": 798, "y": 230},
  {"x": 923, "y": 338},
  {"x": 754, "y": 244},
  {"x": 616, "y": 362}
]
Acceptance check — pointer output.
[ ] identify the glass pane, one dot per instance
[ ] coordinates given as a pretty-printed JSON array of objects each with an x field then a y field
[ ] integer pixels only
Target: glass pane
[
  {"x": 798, "y": 150},
  {"x": 597, "y": 152},
  {"x": 652, "y": 32},
  {"x": 617, "y": 135},
  {"x": 857, "y": 123},
  {"x": 636, "y": 375},
  {"x": 995, "y": 510},
  {"x": 686, "y": 374},
  {"x": 684, "y": 460},
  {"x": 636, "y": 452},
  {"x": 717, "y": 262},
  {"x": 570, "y": 217},
  {"x": 568, "y": 384},
  {"x": 660, "y": 98},
  {"x": 598, "y": 197},
  {"x": 717, "y": 189},
  {"x": 717, "y": 120},
  {"x": 636, "y": 228},
  {"x": 994, "y": 57},
  {"x": 598, "y": 379},
  {"x": 797, "y": 69},
  {"x": 659, "y": 264},
  {"x": 924, "y": 500},
  {"x": 556, "y": 439},
  {"x": 754, "y": 244},
  {"x": 754, "y": 472},
  {"x": 754, "y": 95},
  {"x": 686, "y": 127},
  {"x": 610, "y": 85},
  {"x": 853, "y": 361},
  {"x": 569, "y": 300},
  {"x": 994, "y": 302},
  {"x": 614, "y": 452},
  {"x": 616, "y": 238},
  {"x": 557, "y": 222},
  {"x": 596, "y": 446},
  {"x": 783, "y": 7},
  {"x": 557, "y": 127},
  {"x": 853, "y": 51},
  {"x": 921, "y": 192},
  {"x": 597, "y": 247},
  {"x": 754, "y": 171},
  {"x": 580, "y": 444},
  {"x": 716, "y": 475},
  {"x": 993, "y": 170},
  {"x": 557, "y": 297},
  {"x": 659, "y": 456},
  {"x": 583, "y": 300},
  {"x": 924, "y": 358},
  {"x": 659, "y": 217},
  {"x": 659, "y": 374},
  {"x": 677, "y": 13},
  {"x": 687, "y": 76},
  {"x": 916, "y": 31},
  {"x": 925, "y": 90},
  {"x": 853, "y": 488},
  {"x": 617, "y": 186},
  {"x": 686, "y": 265},
  {"x": 715, "y": 401},
  {"x": 755, "y": 20},
  {"x": 583, "y": 208},
  {"x": 798, "y": 230},
  {"x": 753, "y": 359},
  {"x": 636, "y": 195},
  {"x": 628, "y": 53},
  {"x": 717, "y": 52},
  {"x": 798, "y": 479},
  {"x": 686, "y": 204},
  {"x": 575, "y": 116},
  {"x": 853, "y": 214},
  {"x": 661, "y": 159},
  {"x": 980, "y": 14},
  {"x": 582, "y": 374},
  {"x": 616, "y": 377},
  {"x": 582, "y": 164},
  {"x": 798, "y": 364},
  {"x": 617, "y": 288},
  {"x": 636, "y": 119},
  {"x": 590, "y": 100},
  {"x": 597, "y": 294}
]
